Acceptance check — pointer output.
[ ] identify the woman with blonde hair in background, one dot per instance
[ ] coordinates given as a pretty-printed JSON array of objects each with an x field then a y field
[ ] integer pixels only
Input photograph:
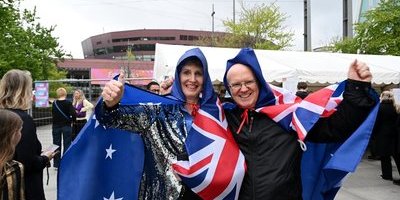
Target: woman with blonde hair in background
[
  {"x": 11, "y": 174},
  {"x": 386, "y": 135},
  {"x": 16, "y": 96},
  {"x": 83, "y": 109}
]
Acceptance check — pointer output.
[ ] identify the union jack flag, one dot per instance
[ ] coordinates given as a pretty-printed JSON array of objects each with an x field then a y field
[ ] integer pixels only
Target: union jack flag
[
  {"x": 324, "y": 166},
  {"x": 216, "y": 166},
  {"x": 291, "y": 112}
]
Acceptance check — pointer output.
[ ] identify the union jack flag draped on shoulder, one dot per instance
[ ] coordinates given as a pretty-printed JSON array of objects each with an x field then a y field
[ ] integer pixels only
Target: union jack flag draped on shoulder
[
  {"x": 291, "y": 112},
  {"x": 323, "y": 165},
  {"x": 216, "y": 167}
]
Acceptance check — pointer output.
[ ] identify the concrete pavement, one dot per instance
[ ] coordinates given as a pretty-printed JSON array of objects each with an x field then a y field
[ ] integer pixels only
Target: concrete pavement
[{"x": 364, "y": 184}]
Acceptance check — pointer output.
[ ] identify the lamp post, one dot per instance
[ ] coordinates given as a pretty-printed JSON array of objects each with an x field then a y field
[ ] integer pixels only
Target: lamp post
[
  {"x": 212, "y": 34},
  {"x": 233, "y": 11}
]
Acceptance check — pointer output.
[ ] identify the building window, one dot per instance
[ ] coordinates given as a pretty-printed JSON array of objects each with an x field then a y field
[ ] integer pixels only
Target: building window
[
  {"x": 136, "y": 47},
  {"x": 98, "y": 42},
  {"x": 148, "y": 57},
  {"x": 183, "y": 37},
  {"x": 100, "y": 51},
  {"x": 118, "y": 49},
  {"x": 126, "y": 39},
  {"x": 192, "y": 37}
]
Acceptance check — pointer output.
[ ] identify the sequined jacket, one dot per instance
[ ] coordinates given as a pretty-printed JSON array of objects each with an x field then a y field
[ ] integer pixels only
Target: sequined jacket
[{"x": 163, "y": 131}]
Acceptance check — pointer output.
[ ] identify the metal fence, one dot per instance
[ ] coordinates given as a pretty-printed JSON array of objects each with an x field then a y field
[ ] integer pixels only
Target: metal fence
[{"x": 92, "y": 88}]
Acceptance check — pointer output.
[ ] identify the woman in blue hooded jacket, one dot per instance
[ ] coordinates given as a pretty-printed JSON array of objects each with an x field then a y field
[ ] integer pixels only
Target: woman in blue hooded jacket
[{"x": 164, "y": 129}]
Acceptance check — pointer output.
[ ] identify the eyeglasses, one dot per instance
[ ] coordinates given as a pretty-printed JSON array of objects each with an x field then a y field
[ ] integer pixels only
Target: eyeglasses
[{"x": 238, "y": 86}]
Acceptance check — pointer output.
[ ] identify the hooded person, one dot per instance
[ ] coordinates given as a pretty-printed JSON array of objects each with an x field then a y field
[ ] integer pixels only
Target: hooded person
[
  {"x": 188, "y": 147},
  {"x": 264, "y": 125}
]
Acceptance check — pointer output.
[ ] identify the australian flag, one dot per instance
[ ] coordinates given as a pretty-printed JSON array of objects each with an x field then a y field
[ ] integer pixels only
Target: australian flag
[
  {"x": 105, "y": 163},
  {"x": 101, "y": 164}
]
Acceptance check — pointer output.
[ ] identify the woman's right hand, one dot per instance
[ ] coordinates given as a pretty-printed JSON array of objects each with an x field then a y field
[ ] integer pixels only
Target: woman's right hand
[{"x": 113, "y": 91}]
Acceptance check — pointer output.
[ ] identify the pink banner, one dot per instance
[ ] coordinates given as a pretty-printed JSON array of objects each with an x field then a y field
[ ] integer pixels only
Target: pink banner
[{"x": 108, "y": 73}]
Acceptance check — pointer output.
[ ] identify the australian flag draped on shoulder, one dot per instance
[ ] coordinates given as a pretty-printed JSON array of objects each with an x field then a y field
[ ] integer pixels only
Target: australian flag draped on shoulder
[
  {"x": 106, "y": 163},
  {"x": 324, "y": 166}
]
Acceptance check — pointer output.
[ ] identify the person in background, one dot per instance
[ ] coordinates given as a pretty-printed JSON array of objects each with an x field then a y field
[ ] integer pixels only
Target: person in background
[
  {"x": 273, "y": 154},
  {"x": 154, "y": 87},
  {"x": 82, "y": 109},
  {"x": 63, "y": 116},
  {"x": 397, "y": 139},
  {"x": 11, "y": 171},
  {"x": 302, "y": 90},
  {"x": 386, "y": 135},
  {"x": 16, "y": 95}
]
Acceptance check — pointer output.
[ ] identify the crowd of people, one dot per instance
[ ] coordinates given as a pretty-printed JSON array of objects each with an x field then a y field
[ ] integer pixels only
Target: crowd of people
[{"x": 271, "y": 149}]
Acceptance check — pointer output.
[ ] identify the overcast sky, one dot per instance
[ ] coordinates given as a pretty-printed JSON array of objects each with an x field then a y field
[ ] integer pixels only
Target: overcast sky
[{"x": 77, "y": 20}]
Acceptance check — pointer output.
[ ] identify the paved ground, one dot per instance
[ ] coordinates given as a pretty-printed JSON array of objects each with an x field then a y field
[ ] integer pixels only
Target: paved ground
[{"x": 364, "y": 184}]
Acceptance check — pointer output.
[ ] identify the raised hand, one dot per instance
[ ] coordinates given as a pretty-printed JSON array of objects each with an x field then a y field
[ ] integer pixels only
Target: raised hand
[
  {"x": 166, "y": 86},
  {"x": 113, "y": 90},
  {"x": 359, "y": 71}
]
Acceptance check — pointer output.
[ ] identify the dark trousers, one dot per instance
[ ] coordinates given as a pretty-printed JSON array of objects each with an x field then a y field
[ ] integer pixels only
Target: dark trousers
[
  {"x": 64, "y": 132},
  {"x": 386, "y": 165},
  {"x": 77, "y": 127}
]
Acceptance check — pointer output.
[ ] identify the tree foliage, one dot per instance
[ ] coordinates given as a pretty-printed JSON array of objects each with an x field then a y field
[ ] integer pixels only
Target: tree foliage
[
  {"x": 26, "y": 44},
  {"x": 260, "y": 27},
  {"x": 378, "y": 34}
]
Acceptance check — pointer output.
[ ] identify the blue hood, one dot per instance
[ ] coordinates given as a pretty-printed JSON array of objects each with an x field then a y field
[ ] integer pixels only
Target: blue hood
[
  {"x": 247, "y": 57},
  {"x": 207, "y": 93}
]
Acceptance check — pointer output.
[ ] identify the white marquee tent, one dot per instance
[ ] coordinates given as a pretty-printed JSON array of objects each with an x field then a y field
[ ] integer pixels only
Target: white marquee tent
[{"x": 282, "y": 66}]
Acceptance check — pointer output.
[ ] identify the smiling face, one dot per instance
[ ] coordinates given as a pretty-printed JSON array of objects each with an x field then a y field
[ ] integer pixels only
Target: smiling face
[
  {"x": 191, "y": 78},
  {"x": 243, "y": 86}
]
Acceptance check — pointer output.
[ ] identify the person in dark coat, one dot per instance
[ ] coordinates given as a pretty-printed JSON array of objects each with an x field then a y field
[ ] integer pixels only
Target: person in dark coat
[
  {"x": 273, "y": 155},
  {"x": 64, "y": 115},
  {"x": 397, "y": 145},
  {"x": 386, "y": 135},
  {"x": 16, "y": 95}
]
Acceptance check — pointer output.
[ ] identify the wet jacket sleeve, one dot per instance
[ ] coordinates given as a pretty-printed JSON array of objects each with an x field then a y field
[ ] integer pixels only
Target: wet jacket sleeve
[{"x": 351, "y": 112}]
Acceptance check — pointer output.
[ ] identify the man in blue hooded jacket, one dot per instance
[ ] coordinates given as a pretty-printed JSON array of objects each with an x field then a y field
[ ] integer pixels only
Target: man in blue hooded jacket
[{"x": 273, "y": 154}]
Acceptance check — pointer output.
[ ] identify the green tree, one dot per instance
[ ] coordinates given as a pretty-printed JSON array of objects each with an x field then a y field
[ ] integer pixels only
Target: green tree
[
  {"x": 378, "y": 34},
  {"x": 25, "y": 44},
  {"x": 260, "y": 27}
]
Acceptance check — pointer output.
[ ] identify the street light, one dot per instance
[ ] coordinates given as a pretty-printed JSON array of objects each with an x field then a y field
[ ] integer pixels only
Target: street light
[{"x": 212, "y": 34}]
